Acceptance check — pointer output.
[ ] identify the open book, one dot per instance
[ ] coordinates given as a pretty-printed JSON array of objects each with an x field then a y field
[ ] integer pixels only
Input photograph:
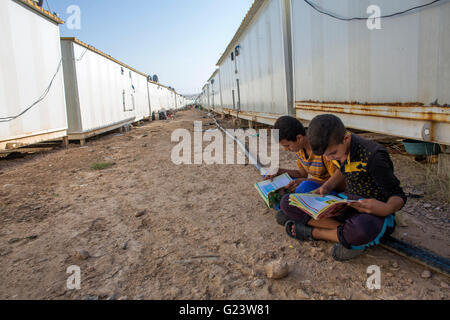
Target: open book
[
  {"x": 272, "y": 191},
  {"x": 318, "y": 206}
]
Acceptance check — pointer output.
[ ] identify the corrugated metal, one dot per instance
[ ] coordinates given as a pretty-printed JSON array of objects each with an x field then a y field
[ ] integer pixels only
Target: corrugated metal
[
  {"x": 256, "y": 79},
  {"x": 104, "y": 89},
  {"x": 408, "y": 60},
  {"x": 32, "y": 5},
  {"x": 378, "y": 80},
  {"x": 215, "y": 93},
  {"x": 29, "y": 57}
]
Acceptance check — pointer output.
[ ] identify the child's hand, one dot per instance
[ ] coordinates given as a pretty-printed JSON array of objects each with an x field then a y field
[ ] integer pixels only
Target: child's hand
[
  {"x": 372, "y": 206},
  {"x": 293, "y": 185},
  {"x": 323, "y": 191},
  {"x": 272, "y": 175}
]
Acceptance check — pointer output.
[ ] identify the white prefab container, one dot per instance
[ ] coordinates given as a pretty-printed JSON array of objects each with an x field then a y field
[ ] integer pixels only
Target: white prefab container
[
  {"x": 205, "y": 97},
  {"x": 102, "y": 93},
  {"x": 31, "y": 76},
  {"x": 393, "y": 80},
  {"x": 254, "y": 69},
  {"x": 154, "y": 92},
  {"x": 215, "y": 91}
]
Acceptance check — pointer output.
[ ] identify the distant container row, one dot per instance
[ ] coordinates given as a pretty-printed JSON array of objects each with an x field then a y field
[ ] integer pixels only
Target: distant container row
[
  {"x": 292, "y": 57},
  {"x": 53, "y": 88}
]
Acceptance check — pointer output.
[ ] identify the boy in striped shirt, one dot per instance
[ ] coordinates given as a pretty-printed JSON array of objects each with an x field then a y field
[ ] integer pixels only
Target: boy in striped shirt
[{"x": 313, "y": 170}]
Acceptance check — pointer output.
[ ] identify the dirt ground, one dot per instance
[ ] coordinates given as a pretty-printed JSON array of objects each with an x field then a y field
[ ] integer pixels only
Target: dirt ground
[{"x": 205, "y": 232}]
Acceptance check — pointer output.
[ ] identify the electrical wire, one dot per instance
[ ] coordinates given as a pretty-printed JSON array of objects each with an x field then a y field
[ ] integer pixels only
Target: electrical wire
[
  {"x": 49, "y": 9},
  {"x": 81, "y": 57},
  {"x": 42, "y": 97},
  {"x": 315, "y": 7}
]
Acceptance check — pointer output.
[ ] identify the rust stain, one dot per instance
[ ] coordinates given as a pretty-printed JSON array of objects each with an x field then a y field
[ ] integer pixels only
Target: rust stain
[{"x": 408, "y": 111}]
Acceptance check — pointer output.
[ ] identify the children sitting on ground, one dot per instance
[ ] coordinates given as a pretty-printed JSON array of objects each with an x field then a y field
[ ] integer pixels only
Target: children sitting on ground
[
  {"x": 292, "y": 137},
  {"x": 369, "y": 172}
]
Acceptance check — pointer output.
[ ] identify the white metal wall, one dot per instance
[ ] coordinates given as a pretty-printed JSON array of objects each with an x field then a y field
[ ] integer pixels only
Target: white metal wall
[
  {"x": 260, "y": 65},
  {"x": 30, "y": 53},
  {"x": 408, "y": 60},
  {"x": 215, "y": 92},
  {"x": 102, "y": 86},
  {"x": 142, "y": 108}
]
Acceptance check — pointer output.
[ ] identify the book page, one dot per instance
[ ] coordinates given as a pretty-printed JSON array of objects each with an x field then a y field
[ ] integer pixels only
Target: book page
[
  {"x": 279, "y": 182},
  {"x": 316, "y": 203}
]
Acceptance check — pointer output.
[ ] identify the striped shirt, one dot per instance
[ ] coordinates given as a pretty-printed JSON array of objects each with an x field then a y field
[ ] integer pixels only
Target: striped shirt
[{"x": 318, "y": 167}]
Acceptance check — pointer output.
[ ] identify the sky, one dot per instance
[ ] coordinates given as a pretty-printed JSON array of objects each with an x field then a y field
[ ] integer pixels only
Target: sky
[{"x": 179, "y": 40}]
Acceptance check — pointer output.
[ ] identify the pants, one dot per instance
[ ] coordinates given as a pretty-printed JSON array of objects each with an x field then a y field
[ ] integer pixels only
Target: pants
[{"x": 357, "y": 231}]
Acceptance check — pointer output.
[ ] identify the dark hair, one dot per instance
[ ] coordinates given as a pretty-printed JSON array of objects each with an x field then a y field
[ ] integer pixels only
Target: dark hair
[
  {"x": 289, "y": 128},
  {"x": 324, "y": 130}
]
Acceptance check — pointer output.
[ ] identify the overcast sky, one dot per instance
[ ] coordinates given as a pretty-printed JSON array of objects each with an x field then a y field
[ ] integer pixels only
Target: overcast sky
[{"x": 179, "y": 40}]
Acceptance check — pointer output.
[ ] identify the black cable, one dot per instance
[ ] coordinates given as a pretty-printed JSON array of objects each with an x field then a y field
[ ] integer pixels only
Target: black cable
[
  {"x": 314, "y": 6},
  {"x": 8, "y": 119}
]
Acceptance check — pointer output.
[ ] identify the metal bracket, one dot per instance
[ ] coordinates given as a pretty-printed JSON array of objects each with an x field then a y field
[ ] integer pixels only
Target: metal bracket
[{"x": 426, "y": 132}]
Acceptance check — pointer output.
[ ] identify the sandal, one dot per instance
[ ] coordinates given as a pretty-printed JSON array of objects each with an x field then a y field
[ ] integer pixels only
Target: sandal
[{"x": 302, "y": 232}]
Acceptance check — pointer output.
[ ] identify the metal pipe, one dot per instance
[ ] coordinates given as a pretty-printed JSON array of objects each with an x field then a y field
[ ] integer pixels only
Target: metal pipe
[{"x": 240, "y": 144}]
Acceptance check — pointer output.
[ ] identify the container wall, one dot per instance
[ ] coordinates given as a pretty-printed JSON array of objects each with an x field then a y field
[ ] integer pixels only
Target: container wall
[
  {"x": 105, "y": 90},
  {"x": 256, "y": 79},
  {"x": 154, "y": 97},
  {"x": 30, "y": 55},
  {"x": 140, "y": 95},
  {"x": 215, "y": 92},
  {"x": 407, "y": 60}
]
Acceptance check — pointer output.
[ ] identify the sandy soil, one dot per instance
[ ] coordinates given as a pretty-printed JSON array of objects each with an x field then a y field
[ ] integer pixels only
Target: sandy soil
[{"x": 205, "y": 233}]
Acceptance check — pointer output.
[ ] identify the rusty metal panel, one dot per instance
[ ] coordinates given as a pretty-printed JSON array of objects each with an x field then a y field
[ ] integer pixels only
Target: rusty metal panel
[
  {"x": 427, "y": 123},
  {"x": 407, "y": 60}
]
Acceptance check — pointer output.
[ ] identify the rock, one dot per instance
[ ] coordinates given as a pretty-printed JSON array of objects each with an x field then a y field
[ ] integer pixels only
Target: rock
[
  {"x": 140, "y": 213},
  {"x": 444, "y": 285},
  {"x": 258, "y": 283},
  {"x": 91, "y": 298},
  {"x": 395, "y": 265},
  {"x": 426, "y": 205},
  {"x": 124, "y": 246},
  {"x": 123, "y": 298},
  {"x": 277, "y": 269},
  {"x": 426, "y": 274},
  {"x": 302, "y": 294},
  {"x": 82, "y": 255}
]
